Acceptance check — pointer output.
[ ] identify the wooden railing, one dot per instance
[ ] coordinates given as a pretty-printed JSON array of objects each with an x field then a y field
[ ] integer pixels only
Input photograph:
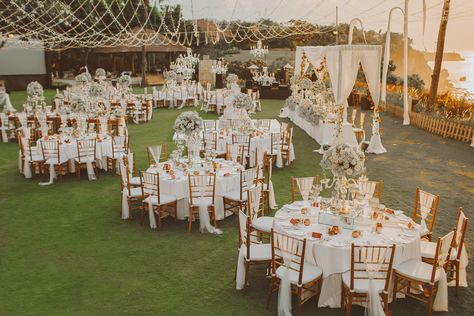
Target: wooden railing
[{"x": 445, "y": 128}]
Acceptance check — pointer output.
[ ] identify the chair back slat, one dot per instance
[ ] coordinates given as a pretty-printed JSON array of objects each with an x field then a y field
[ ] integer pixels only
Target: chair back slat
[
  {"x": 289, "y": 252},
  {"x": 202, "y": 186}
]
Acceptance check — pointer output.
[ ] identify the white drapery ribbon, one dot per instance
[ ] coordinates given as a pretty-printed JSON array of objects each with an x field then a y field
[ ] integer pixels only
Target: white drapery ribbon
[
  {"x": 463, "y": 259},
  {"x": 155, "y": 152},
  {"x": 426, "y": 204},
  {"x": 284, "y": 292},
  {"x": 204, "y": 219},
  {"x": 4, "y": 127},
  {"x": 151, "y": 214},
  {"x": 374, "y": 306},
  {"x": 52, "y": 176},
  {"x": 305, "y": 185},
  {"x": 441, "y": 301}
]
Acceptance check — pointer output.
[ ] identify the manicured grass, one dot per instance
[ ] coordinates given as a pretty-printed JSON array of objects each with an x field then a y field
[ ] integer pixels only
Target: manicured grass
[{"x": 64, "y": 249}]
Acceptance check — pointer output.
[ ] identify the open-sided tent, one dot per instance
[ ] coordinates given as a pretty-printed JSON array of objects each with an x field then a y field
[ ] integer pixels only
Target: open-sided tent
[{"x": 342, "y": 63}]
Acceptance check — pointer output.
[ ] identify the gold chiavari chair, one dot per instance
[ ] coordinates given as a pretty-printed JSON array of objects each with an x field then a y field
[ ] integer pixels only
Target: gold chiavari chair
[
  {"x": 305, "y": 279},
  {"x": 29, "y": 155},
  {"x": 156, "y": 153},
  {"x": 52, "y": 157},
  {"x": 119, "y": 148},
  {"x": 409, "y": 275},
  {"x": 235, "y": 201},
  {"x": 428, "y": 250},
  {"x": 275, "y": 145},
  {"x": 302, "y": 186},
  {"x": 202, "y": 189},
  {"x": 130, "y": 162},
  {"x": 86, "y": 153},
  {"x": 370, "y": 189},
  {"x": 162, "y": 205},
  {"x": 267, "y": 180},
  {"x": 133, "y": 195},
  {"x": 263, "y": 124},
  {"x": 252, "y": 251},
  {"x": 210, "y": 125},
  {"x": 426, "y": 204},
  {"x": 235, "y": 152},
  {"x": 360, "y": 130},
  {"x": 256, "y": 210},
  {"x": 368, "y": 264},
  {"x": 286, "y": 144},
  {"x": 244, "y": 140}
]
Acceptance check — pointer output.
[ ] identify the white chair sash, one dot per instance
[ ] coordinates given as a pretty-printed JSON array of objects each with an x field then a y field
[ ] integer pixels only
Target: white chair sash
[
  {"x": 426, "y": 204},
  {"x": 305, "y": 185}
]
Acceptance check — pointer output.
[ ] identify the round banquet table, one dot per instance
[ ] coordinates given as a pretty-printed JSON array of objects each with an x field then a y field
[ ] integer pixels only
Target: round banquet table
[
  {"x": 68, "y": 151},
  {"x": 179, "y": 187},
  {"x": 333, "y": 253}
]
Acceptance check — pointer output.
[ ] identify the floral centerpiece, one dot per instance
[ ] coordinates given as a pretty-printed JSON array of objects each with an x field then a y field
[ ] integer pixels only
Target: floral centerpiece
[
  {"x": 243, "y": 101},
  {"x": 188, "y": 123},
  {"x": 84, "y": 78},
  {"x": 170, "y": 75},
  {"x": 34, "y": 89},
  {"x": 304, "y": 84},
  {"x": 343, "y": 160},
  {"x": 96, "y": 90},
  {"x": 124, "y": 81},
  {"x": 78, "y": 104},
  {"x": 100, "y": 74}
]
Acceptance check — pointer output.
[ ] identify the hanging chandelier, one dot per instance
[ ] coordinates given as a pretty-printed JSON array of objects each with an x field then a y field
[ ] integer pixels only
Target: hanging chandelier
[
  {"x": 259, "y": 51},
  {"x": 220, "y": 68},
  {"x": 185, "y": 64}
]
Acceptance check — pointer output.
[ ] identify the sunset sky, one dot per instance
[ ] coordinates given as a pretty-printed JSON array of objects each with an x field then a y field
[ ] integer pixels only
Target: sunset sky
[{"x": 373, "y": 13}]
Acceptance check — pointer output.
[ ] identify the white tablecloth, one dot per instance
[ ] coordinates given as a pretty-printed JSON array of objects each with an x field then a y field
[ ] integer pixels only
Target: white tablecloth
[
  {"x": 180, "y": 188},
  {"x": 323, "y": 133},
  {"x": 334, "y": 256}
]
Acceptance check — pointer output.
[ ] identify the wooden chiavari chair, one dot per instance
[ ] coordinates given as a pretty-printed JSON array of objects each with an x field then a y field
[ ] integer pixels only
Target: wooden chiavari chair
[
  {"x": 210, "y": 125},
  {"x": 426, "y": 203},
  {"x": 130, "y": 162},
  {"x": 368, "y": 264},
  {"x": 7, "y": 130},
  {"x": 409, "y": 275},
  {"x": 275, "y": 145},
  {"x": 360, "y": 130},
  {"x": 305, "y": 279},
  {"x": 428, "y": 250},
  {"x": 370, "y": 189},
  {"x": 52, "y": 157},
  {"x": 302, "y": 186},
  {"x": 156, "y": 153},
  {"x": 29, "y": 155},
  {"x": 235, "y": 201},
  {"x": 256, "y": 210},
  {"x": 212, "y": 101},
  {"x": 244, "y": 140},
  {"x": 286, "y": 144},
  {"x": 202, "y": 189},
  {"x": 253, "y": 251},
  {"x": 86, "y": 153},
  {"x": 119, "y": 148},
  {"x": 162, "y": 205},
  {"x": 235, "y": 152},
  {"x": 133, "y": 195},
  {"x": 263, "y": 124},
  {"x": 267, "y": 180}
]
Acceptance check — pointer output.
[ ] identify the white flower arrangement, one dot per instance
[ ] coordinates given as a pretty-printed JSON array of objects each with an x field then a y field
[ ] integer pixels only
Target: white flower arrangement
[
  {"x": 232, "y": 78},
  {"x": 243, "y": 101},
  {"x": 78, "y": 104},
  {"x": 34, "y": 89},
  {"x": 343, "y": 160},
  {"x": 170, "y": 75},
  {"x": 100, "y": 73},
  {"x": 293, "y": 101},
  {"x": 96, "y": 90},
  {"x": 124, "y": 81},
  {"x": 188, "y": 123},
  {"x": 84, "y": 78},
  {"x": 305, "y": 84}
]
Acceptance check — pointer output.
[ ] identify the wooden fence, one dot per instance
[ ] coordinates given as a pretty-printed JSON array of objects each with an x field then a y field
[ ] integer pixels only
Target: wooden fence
[{"x": 433, "y": 125}]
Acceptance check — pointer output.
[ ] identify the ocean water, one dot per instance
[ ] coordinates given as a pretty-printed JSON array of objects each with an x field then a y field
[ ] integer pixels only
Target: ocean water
[{"x": 458, "y": 69}]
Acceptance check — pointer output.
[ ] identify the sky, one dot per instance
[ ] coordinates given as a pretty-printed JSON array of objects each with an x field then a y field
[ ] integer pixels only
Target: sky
[{"x": 373, "y": 13}]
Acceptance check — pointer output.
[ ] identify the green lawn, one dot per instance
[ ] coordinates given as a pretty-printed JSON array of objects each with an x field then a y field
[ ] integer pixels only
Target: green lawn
[{"x": 64, "y": 249}]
